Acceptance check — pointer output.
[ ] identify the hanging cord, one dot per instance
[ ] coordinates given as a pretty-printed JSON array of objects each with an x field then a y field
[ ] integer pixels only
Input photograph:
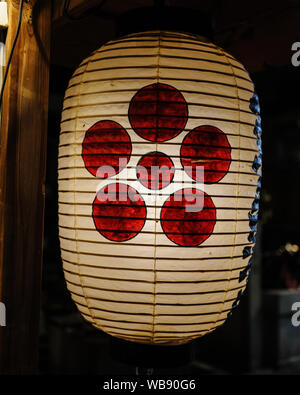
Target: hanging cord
[{"x": 12, "y": 51}]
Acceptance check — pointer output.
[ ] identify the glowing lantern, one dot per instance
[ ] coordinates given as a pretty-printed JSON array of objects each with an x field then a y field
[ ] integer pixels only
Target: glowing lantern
[{"x": 159, "y": 180}]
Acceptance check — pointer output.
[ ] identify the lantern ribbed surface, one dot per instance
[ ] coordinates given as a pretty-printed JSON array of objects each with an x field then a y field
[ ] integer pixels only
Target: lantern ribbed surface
[{"x": 144, "y": 267}]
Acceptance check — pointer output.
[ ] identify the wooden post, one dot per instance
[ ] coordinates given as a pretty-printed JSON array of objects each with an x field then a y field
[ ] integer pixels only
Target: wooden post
[{"x": 22, "y": 179}]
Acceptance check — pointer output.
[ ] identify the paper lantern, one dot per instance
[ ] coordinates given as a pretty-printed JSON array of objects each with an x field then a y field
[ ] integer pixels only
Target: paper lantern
[{"x": 163, "y": 256}]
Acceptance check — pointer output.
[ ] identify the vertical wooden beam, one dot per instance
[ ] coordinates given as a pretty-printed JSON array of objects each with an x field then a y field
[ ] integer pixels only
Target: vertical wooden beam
[{"x": 22, "y": 179}]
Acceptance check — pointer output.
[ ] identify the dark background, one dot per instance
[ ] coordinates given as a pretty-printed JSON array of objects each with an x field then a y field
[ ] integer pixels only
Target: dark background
[{"x": 259, "y": 337}]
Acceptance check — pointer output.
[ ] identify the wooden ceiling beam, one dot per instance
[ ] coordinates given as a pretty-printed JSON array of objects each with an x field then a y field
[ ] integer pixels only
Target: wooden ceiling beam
[{"x": 76, "y": 9}]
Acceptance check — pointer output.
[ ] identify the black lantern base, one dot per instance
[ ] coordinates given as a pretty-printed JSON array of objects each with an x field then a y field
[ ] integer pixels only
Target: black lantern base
[{"x": 150, "y": 356}]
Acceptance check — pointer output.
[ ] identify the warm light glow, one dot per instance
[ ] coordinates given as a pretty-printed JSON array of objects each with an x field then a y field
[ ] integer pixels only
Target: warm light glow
[{"x": 159, "y": 184}]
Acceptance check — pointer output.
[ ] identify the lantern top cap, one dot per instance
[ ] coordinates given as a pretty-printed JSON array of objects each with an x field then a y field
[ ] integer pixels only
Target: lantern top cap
[{"x": 170, "y": 33}]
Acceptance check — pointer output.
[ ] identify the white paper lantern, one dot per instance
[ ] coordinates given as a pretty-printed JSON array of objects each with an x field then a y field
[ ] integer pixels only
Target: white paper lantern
[{"x": 149, "y": 265}]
